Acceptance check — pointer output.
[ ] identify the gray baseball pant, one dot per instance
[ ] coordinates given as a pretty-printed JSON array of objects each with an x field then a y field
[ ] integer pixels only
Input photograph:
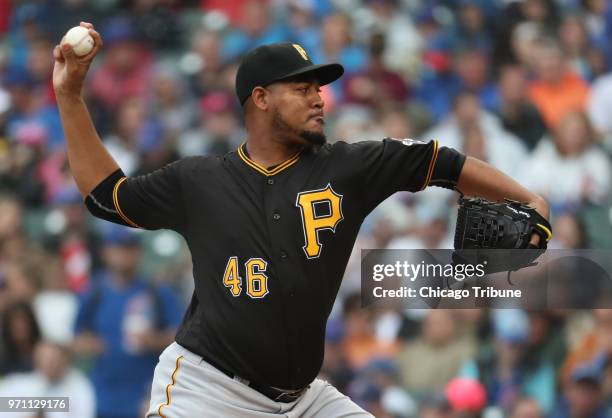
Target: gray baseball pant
[{"x": 186, "y": 386}]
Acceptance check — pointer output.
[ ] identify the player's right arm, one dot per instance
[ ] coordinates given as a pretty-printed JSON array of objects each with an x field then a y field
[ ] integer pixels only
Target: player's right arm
[
  {"x": 150, "y": 201},
  {"x": 89, "y": 161}
]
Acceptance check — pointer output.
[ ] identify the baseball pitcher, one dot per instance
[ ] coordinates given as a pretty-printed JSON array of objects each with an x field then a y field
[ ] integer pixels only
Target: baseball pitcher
[{"x": 270, "y": 227}]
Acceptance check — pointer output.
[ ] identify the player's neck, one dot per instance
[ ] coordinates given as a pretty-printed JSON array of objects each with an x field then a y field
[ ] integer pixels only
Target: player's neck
[{"x": 271, "y": 154}]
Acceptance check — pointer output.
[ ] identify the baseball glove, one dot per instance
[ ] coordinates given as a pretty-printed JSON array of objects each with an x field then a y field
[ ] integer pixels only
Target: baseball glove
[
  {"x": 508, "y": 225},
  {"x": 503, "y": 225}
]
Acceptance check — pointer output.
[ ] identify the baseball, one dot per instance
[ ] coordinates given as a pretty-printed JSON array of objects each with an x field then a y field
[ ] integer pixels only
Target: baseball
[{"x": 80, "y": 39}]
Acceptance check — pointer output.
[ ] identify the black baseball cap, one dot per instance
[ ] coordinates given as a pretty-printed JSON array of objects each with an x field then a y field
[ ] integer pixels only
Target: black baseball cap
[{"x": 270, "y": 63}]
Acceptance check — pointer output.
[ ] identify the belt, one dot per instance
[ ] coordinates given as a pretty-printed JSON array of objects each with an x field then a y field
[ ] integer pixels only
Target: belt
[{"x": 270, "y": 392}]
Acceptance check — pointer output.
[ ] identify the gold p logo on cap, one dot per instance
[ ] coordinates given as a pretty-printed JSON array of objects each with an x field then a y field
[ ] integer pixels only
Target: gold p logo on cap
[{"x": 299, "y": 49}]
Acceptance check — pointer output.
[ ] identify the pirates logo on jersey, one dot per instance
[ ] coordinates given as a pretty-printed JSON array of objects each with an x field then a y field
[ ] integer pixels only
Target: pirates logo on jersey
[
  {"x": 321, "y": 209},
  {"x": 408, "y": 141}
]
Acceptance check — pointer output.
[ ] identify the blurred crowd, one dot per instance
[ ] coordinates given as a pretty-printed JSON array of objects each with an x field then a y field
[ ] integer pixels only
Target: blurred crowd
[{"x": 86, "y": 307}]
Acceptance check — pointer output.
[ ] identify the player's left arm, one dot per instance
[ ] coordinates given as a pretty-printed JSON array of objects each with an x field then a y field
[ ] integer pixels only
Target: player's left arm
[
  {"x": 392, "y": 165},
  {"x": 478, "y": 178}
]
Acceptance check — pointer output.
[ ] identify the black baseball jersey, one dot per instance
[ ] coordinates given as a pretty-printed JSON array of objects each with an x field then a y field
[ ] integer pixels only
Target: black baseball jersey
[{"x": 270, "y": 245}]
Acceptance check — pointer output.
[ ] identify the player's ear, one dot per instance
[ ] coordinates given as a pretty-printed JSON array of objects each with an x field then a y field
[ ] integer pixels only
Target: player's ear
[{"x": 260, "y": 97}]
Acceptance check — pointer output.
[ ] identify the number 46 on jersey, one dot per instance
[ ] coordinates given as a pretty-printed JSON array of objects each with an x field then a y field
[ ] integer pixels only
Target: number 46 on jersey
[{"x": 256, "y": 278}]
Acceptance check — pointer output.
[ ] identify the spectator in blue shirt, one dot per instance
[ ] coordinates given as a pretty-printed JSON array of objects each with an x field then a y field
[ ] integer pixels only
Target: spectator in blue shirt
[
  {"x": 29, "y": 110},
  {"x": 124, "y": 322},
  {"x": 256, "y": 27}
]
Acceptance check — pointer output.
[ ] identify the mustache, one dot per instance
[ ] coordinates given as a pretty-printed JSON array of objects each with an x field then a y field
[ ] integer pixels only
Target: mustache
[{"x": 318, "y": 118}]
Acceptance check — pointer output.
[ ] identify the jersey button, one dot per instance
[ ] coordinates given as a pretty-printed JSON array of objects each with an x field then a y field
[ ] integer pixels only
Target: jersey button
[
  {"x": 270, "y": 181},
  {"x": 283, "y": 254},
  {"x": 276, "y": 216}
]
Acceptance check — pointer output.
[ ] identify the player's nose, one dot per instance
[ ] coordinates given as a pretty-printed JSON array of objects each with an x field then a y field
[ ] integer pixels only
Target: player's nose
[{"x": 318, "y": 103}]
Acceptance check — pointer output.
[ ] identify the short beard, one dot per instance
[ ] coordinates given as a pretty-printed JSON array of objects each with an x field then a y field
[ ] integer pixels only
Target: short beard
[
  {"x": 314, "y": 138},
  {"x": 311, "y": 137}
]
